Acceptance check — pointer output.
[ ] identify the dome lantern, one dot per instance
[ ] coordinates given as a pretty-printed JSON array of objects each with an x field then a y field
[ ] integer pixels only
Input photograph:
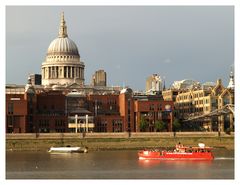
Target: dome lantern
[{"x": 63, "y": 27}]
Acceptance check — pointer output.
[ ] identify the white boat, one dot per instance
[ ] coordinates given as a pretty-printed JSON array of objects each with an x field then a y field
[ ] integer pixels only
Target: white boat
[{"x": 68, "y": 149}]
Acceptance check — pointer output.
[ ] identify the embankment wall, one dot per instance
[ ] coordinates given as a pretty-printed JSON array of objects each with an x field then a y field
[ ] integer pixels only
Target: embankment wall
[{"x": 107, "y": 141}]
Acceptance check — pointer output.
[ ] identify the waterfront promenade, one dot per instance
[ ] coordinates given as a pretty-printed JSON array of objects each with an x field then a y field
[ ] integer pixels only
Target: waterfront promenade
[{"x": 124, "y": 140}]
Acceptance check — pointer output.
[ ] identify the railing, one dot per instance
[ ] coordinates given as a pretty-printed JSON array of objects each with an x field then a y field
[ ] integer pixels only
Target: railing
[
  {"x": 226, "y": 109},
  {"x": 123, "y": 135}
]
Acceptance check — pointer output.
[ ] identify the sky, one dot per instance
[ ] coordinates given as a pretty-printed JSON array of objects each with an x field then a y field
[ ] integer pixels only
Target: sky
[{"x": 129, "y": 42}]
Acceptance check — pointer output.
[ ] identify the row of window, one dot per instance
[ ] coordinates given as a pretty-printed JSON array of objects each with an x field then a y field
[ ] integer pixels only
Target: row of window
[
  {"x": 191, "y": 110},
  {"x": 152, "y": 107},
  {"x": 117, "y": 126},
  {"x": 201, "y": 102},
  {"x": 45, "y": 123},
  {"x": 109, "y": 102},
  {"x": 186, "y": 97},
  {"x": 60, "y": 56},
  {"x": 197, "y": 95}
]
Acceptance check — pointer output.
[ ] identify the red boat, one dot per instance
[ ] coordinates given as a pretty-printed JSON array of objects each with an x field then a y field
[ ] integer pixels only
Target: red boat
[{"x": 179, "y": 153}]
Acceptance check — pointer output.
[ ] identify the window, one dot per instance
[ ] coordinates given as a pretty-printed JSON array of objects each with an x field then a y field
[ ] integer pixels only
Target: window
[
  {"x": 226, "y": 101},
  {"x": 10, "y": 108},
  {"x": 117, "y": 125},
  {"x": 59, "y": 123},
  {"x": 160, "y": 107},
  {"x": 151, "y": 107}
]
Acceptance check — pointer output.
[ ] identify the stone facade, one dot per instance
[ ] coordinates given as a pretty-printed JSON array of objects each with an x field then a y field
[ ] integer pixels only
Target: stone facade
[{"x": 196, "y": 102}]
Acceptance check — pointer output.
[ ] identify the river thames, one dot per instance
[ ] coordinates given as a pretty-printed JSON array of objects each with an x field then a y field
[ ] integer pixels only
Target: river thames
[{"x": 115, "y": 164}]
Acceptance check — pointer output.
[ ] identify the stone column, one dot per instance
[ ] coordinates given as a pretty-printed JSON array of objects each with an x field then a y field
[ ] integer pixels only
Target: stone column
[
  {"x": 43, "y": 73},
  {"x": 46, "y": 73},
  {"x": 61, "y": 72},
  {"x": 53, "y": 71},
  {"x": 57, "y": 71},
  {"x": 49, "y": 72},
  {"x": 71, "y": 72},
  {"x": 67, "y": 72},
  {"x": 79, "y": 72},
  {"x": 75, "y": 72}
]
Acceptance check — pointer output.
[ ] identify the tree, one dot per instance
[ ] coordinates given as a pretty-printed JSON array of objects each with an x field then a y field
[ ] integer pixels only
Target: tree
[
  {"x": 160, "y": 125},
  {"x": 143, "y": 124},
  {"x": 176, "y": 125}
]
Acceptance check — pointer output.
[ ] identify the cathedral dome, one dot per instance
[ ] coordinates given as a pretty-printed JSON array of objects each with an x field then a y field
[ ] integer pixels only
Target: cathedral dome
[
  {"x": 62, "y": 46},
  {"x": 62, "y": 65}
]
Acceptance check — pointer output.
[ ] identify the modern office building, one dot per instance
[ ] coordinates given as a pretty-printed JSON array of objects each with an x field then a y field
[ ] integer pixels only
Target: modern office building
[
  {"x": 36, "y": 79},
  {"x": 99, "y": 78},
  {"x": 154, "y": 84}
]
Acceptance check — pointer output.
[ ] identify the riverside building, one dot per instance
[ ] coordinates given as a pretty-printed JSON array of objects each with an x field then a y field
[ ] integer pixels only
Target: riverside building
[
  {"x": 204, "y": 100},
  {"x": 62, "y": 102},
  {"x": 48, "y": 111}
]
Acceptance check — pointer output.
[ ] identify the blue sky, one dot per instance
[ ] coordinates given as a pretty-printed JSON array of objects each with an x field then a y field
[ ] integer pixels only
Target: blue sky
[{"x": 128, "y": 42}]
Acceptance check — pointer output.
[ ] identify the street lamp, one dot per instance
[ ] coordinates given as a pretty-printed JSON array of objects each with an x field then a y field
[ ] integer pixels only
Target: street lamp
[{"x": 76, "y": 123}]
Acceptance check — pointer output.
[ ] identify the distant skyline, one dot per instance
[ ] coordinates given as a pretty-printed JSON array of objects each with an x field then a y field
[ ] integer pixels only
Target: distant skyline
[{"x": 129, "y": 42}]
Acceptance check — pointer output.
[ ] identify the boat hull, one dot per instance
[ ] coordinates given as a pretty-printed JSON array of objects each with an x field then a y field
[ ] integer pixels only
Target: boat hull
[
  {"x": 175, "y": 155},
  {"x": 68, "y": 150}
]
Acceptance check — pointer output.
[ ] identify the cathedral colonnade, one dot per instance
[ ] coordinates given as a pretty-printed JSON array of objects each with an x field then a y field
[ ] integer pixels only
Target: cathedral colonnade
[{"x": 62, "y": 71}]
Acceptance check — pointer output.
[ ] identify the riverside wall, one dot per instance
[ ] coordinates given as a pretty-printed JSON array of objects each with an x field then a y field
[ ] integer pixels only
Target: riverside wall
[{"x": 112, "y": 141}]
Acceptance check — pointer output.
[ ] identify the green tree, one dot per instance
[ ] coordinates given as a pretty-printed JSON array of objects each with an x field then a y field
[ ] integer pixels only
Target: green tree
[
  {"x": 176, "y": 125},
  {"x": 143, "y": 124},
  {"x": 160, "y": 125}
]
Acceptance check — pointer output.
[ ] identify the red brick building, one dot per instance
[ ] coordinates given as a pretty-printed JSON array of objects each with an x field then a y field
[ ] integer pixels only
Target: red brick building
[
  {"x": 53, "y": 110},
  {"x": 16, "y": 113},
  {"x": 152, "y": 108},
  {"x": 105, "y": 109},
  {"x": 126, "y": 110},
  {"x": 50, "y": 113},
  {"x": 153, "y": 111}
]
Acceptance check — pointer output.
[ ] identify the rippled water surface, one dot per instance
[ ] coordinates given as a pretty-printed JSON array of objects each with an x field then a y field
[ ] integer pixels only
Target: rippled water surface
[{"x": 114, "y": 165}]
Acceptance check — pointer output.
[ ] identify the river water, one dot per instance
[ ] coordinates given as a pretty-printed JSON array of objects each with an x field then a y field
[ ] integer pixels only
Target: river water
[{"x": 118, "y": 164}]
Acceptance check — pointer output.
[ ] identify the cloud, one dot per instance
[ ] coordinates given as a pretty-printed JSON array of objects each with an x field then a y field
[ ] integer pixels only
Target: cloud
[
  {"x": 167, "y": 61},
  {"x": 117, "y": 67}
]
